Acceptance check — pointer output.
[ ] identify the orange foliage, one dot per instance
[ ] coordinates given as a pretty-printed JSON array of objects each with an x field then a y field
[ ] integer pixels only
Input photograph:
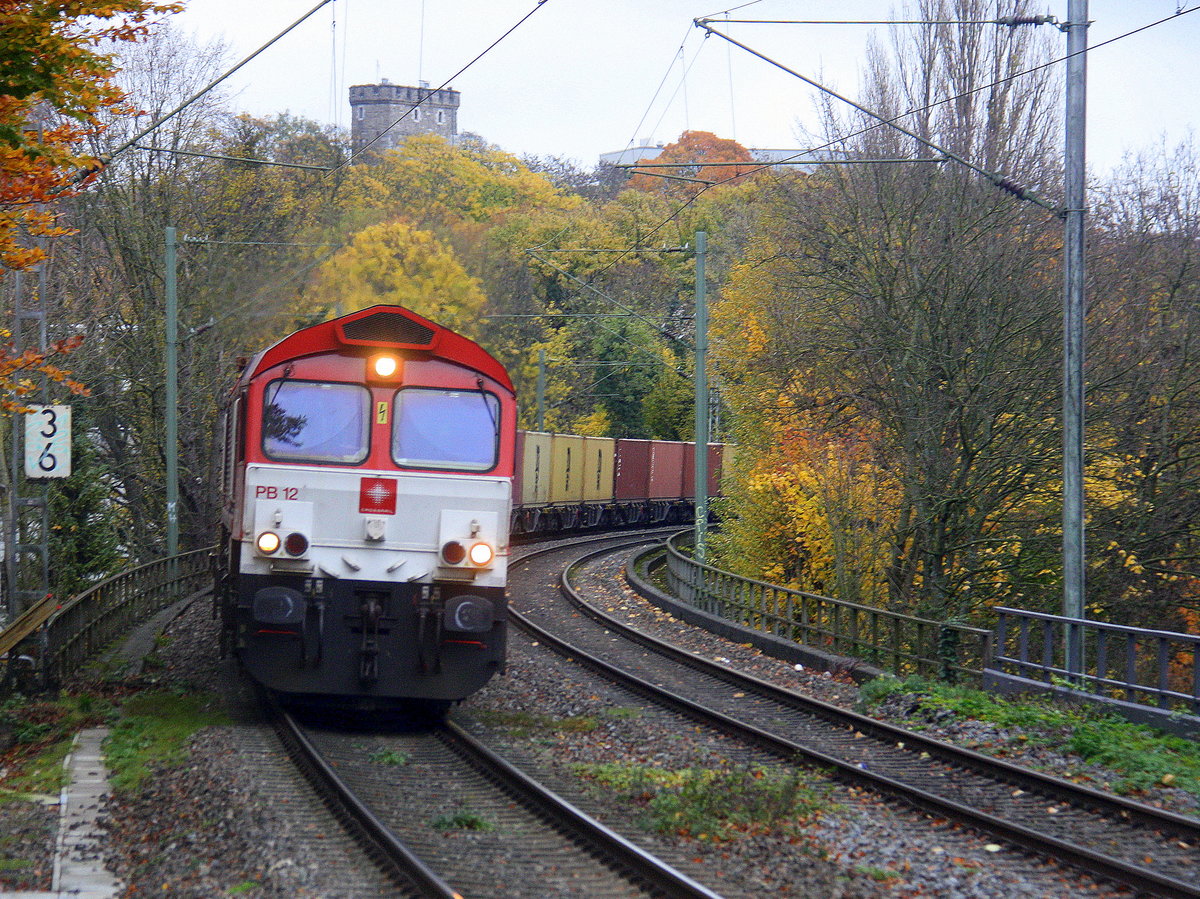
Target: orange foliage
[
  {"x": 15, "y": 386},
  {"x": 53, "y": 85},
  {"x": 699, "y": 159}
]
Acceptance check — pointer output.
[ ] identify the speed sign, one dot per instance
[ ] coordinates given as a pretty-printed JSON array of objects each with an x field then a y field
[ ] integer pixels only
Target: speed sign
[{"x": 48, "y": 442}]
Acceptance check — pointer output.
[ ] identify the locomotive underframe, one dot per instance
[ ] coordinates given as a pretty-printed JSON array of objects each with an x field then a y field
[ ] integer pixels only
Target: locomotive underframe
[{"x": 367, "y": 643}]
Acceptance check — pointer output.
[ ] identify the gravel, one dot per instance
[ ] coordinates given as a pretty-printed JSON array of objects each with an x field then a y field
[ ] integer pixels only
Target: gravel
[{"x": 226, "y": 820}]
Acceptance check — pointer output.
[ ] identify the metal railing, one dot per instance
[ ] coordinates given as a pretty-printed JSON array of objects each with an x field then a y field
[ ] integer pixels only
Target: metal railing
[
  {"x": 903, "y": 644},
  {"x": 87, "y": 623},
  {"x": 1147, "y": 667}
]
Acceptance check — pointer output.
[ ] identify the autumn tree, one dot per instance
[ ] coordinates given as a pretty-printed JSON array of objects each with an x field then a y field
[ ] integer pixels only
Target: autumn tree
[
  {"x": 397, "y": 263},
  {"x": 237, "y": 272},
  {"x": 1143, "y": 474},
  {"x": 697, "y": 160},
  {"x": 431, "y": 183},
  {"x": 915, "y": 307},
  {"x": 55, "y": 83}
]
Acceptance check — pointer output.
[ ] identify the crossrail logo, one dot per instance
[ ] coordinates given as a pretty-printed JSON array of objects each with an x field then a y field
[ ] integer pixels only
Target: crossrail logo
[{"x": 377, "y": 496}]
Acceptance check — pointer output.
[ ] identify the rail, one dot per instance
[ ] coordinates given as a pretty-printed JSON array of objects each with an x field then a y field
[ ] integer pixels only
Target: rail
[
  {"x": 903, "y": 644},
  {"x": 84, "y": 624},
  {"x": 1134, "y": 665}
]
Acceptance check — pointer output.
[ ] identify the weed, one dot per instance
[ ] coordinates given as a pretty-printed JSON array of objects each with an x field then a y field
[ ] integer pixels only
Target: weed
[
  {"x": 244, "y": 887},
  {"x": 1141, "y": 757},
  {"x": 390, "y": 757},
  {"x": 525, "y": 724},
  {"x": 883, "y": 875},
  {"x": 706, "y": 803},
  {"x": 42, "y": 731},
  {"x": 621, "y": 713},
  {"x": 463, "y": 819}
]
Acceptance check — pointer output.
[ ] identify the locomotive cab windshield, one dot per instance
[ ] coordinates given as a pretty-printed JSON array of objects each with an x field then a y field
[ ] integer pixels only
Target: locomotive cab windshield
[{"x": 445, "y": 429}]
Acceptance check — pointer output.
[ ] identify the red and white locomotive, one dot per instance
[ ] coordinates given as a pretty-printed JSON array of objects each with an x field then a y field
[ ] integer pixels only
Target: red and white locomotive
[{"x": 366, "y": 498}]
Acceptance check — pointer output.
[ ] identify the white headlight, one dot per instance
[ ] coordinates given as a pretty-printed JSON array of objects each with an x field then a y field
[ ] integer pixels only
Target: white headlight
[{"x": 481, "y": 554}]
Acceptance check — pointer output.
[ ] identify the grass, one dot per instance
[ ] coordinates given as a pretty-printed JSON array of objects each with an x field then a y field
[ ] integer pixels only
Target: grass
[
  {"x": 707, "y": 803},
  {"x": 43, "y": 730},
  {"x": 526, "y": 724},
  {"x": 881, "y": 875},
  {"x": 1139, "y": 756},
  {"x": 153, "y": 728}
]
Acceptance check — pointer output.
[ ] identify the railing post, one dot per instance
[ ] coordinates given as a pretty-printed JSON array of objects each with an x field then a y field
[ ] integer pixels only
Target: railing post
[
  {"x": 1163, "y": 661},
  {"x": 1131, "y": 667}
]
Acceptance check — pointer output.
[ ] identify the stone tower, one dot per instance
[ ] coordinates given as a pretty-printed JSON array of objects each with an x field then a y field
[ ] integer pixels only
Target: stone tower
[{"x": 374, "y": 107}]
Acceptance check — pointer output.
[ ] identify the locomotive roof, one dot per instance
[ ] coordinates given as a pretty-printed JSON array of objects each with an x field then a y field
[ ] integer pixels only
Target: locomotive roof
[{"x": 382, "y": 328}]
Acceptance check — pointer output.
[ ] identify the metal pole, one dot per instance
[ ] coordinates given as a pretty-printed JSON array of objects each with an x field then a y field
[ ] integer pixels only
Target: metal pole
[
  {"x": 701, "y": 398},
  {"x": 12, "y": 533},
  {"x": 171, "y": 438},
  {"x": 541, "y": 390},
  {"x": 1073, "y": 329}
]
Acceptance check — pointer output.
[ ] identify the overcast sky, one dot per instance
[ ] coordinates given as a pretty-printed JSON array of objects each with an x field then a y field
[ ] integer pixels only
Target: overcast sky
[{"x": 583, "y": 77}]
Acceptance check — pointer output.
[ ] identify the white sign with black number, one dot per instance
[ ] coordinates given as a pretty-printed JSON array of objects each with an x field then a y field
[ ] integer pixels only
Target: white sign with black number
[{"x": 48, "y": 442}]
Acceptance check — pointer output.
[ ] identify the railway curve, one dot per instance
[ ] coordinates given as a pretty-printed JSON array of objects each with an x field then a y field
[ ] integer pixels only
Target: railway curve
[{"x": 1129, "y": 843}]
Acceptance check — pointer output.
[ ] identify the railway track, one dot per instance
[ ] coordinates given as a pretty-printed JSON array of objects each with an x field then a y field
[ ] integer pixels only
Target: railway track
[
  {"x": 1125, "y": 842},
  {"x": 469, "y": 824}
]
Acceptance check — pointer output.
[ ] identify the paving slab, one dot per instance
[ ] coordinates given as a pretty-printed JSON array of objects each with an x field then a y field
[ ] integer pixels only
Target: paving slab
[{"x": 79, "y": 870}]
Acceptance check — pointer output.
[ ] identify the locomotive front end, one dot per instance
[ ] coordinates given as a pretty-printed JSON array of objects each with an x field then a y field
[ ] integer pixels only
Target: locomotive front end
[{"x": 368, "y": 525}]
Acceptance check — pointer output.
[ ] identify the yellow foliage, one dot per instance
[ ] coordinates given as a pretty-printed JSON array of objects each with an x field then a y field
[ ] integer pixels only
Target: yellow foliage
[
  {"x": 594, "y": 424},
  {"x": 429, "y": 182},
  {"x": 396, "y": 263}
]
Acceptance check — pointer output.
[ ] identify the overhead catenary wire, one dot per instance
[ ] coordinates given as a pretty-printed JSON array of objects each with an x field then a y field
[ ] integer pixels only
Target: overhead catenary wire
[
  {"x": 158, "y": 123},
  {"x": 766, "y": 166},
  {"x": 446, "y": 83},
  {"x": 246, "y": 159},
  {"x": 996, "y": 179}
]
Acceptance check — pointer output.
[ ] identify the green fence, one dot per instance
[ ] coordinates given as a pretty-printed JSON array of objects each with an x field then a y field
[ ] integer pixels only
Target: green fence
[
  {"x": 902, "y": 644},
  {"x": 87, "y": 623}
]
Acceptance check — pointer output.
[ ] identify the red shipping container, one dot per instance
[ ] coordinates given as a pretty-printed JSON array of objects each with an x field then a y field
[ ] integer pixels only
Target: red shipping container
[
  {"x": 714, "y": 469},
  {"x": 666, "y": 469},
  {"x": 632, "y": 469}
]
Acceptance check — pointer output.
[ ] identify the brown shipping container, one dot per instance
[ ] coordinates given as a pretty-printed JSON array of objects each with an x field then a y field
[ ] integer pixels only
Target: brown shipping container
[
  {"x": 567, "y": 468},
  {"x": 598, "y": 468},
  {"x": 534, "y": 447},
  {"x": 632, "y": 469},
  {"x": 666, "y": 469},
  {"x": 716, "y": 474}
]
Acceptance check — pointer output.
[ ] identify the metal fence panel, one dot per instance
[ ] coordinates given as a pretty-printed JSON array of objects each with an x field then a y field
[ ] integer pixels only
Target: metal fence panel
[{"x": 908, "y": 645}]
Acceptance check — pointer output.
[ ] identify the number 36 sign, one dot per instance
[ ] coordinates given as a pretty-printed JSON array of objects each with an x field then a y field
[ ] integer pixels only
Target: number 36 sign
[{"x": 48, "y": 442}]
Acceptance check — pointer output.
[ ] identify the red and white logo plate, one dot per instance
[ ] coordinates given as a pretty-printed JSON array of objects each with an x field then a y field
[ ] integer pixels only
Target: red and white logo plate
[{"x": 377, "y": 496}]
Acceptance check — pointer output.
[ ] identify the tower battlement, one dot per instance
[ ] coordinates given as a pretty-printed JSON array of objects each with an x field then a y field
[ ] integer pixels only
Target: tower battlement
[{"x": 415, "y": 110}]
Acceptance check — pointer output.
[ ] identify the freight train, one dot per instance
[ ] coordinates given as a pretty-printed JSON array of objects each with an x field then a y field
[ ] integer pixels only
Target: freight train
[{"x": 372, "y": 477}]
